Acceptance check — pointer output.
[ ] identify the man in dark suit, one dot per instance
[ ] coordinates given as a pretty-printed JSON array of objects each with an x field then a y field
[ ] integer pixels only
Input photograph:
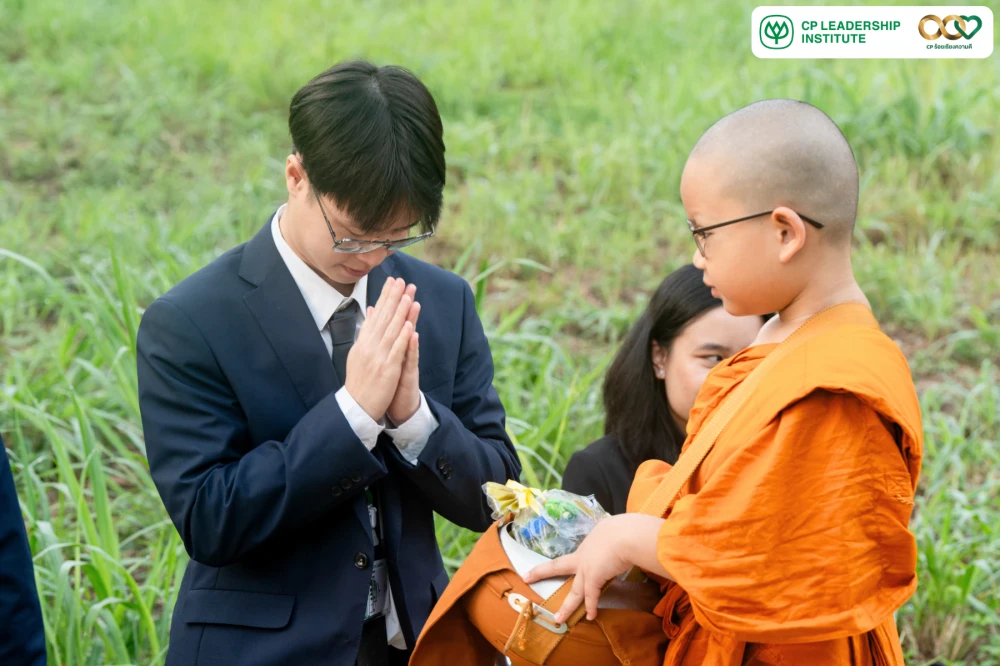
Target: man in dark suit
[
  {"x": 310, "y": 398},
  {"x": 22, "y": 634}
]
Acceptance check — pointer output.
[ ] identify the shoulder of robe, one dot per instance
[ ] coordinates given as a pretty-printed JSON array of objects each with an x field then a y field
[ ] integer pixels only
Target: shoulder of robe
[{"x": 852, "y": 359}]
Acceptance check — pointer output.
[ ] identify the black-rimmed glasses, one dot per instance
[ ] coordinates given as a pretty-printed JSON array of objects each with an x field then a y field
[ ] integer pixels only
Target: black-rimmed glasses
[
  {"x": 352, "y": 246},
  {"x": 699, "y": 233}
]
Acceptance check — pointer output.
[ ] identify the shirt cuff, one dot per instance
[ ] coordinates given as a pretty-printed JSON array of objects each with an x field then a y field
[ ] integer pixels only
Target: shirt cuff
[
  {"x": 411, "y": 437},
  {"x": 363, "y": 426}
]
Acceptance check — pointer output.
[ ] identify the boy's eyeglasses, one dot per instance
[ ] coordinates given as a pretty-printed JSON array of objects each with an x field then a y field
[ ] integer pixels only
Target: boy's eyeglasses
[
  {"x": 699, "y": 232},
  {"x": 351, "y": 246}
]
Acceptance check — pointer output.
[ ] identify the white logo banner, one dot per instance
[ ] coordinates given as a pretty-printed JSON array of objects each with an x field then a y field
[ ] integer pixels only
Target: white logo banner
[{"x": 872, "y": 32}]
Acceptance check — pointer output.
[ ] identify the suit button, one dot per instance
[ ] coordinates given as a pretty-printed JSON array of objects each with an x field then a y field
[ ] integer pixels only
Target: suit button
[
  {"x": 337, "y": 492},
  {"x": 446, "y": 473},
  {"x": 346, "y": 483},
  {"x": 361, "y": 561},
  {"x": 442, "y": 463},
  {"x": 356, "y": 478}
]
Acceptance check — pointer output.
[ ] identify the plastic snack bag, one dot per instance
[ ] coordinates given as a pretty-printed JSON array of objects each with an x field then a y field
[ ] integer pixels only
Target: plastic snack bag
[{"x": 551, "y": 522}]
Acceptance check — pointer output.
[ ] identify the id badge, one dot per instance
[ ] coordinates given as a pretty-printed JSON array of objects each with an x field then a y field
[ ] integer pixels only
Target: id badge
[{"x": 378, "y": 590}]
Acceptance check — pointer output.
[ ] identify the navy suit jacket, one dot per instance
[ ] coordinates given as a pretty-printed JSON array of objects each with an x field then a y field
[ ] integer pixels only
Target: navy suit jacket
[
  {"x": 264, "y": 477},
  {"x": 22, "y": 634}
]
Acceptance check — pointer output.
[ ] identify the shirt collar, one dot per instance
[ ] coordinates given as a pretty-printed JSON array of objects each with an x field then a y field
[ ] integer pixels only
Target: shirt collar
[{"x": 321, "y": 299}]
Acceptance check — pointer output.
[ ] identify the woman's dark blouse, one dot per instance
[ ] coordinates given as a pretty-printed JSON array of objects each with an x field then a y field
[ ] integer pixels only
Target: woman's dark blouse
[{"x": 600, "y": 470}]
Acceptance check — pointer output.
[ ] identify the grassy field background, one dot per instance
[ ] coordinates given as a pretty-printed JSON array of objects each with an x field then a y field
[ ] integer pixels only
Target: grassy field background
[{"x": 140, "y": 139}]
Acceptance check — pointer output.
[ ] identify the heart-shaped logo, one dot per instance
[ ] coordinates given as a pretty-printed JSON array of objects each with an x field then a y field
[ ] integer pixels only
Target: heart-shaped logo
[{"x": 968, "y": 19}]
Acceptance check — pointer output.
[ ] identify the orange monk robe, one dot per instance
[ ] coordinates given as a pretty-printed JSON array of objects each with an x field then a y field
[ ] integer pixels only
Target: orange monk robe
[{"x": 790, "y": 544}]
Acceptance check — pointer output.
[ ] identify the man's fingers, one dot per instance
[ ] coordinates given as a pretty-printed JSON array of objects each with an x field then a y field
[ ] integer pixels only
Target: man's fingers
[
  {"x": 413, "y": 353},
  {"x": 396, "y": 294},
  {"x": 413, "y": 314},
  {"x": 411, "y": 364},
  {"x": 561, "y": 566},
  {"x": 374, "y": 313},
  {"x": 386, "y": 286},
  {"x": 395, "y": 326},
  {"x": 387, "y": 305},
  {"x": 383, "y": 296},
  {"x": 398, "y": 351},
  {"x": 367, "y": 324},
  {"x": 572, "y": 601},
  {"x": 414, "y": 311}
]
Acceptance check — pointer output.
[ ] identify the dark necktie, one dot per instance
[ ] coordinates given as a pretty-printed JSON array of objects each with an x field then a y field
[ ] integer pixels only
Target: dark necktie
[
  {"x": 343, "y": 325},
  {"x": 373, "y": 650}
]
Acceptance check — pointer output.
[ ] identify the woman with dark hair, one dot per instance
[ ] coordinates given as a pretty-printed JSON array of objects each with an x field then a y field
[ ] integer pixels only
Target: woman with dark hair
[{"x": 652, "y": 384}]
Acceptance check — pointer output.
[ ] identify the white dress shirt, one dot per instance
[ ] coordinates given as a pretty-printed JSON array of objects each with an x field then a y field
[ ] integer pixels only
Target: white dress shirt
[{"x": 409, "y": 437}]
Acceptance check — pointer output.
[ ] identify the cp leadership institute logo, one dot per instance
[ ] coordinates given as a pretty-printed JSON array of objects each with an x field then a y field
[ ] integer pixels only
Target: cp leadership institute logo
[
  {"x": 776, "y": 31},
  {"x": 960, "y": 23}
]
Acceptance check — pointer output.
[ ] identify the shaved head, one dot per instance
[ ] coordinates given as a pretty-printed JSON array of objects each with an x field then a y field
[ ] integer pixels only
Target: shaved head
[{"x": 782, "y": 152}]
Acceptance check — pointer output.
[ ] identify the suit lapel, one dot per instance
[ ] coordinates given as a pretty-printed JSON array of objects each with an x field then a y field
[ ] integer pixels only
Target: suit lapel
[{"x": 285, "y": 320}]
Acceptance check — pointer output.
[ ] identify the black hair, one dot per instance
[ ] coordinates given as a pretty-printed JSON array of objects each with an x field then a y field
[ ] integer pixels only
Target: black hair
[
  {"x": 371, "y": 139},
  {"x": 637, "y": 414}
]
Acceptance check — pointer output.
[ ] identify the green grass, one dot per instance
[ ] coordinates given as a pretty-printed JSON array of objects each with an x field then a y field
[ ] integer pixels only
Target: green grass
[{"x": 140, "y": 139}]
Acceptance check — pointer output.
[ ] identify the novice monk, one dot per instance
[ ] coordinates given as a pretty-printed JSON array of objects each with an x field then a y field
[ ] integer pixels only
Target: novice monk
[{"x": 789, "y": 544}]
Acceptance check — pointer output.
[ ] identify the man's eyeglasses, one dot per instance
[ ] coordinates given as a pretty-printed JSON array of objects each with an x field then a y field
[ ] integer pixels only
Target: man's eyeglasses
[
  {"x": 701, "y": 233},
  {"x": 351, "y": 246}
]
